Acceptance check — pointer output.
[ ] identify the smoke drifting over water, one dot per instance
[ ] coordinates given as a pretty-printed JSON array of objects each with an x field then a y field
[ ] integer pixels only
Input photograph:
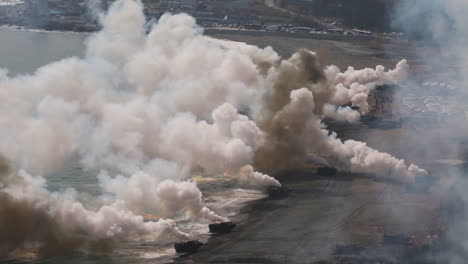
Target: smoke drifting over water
[
  {"x": 149, "y": 111},
  {"x": 29, "y": 213}
]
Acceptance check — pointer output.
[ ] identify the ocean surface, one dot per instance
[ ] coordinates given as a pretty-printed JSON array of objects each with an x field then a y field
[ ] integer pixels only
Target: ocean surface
[
  {"x": 222, "y": 196},
  {"x": 23, "y": 52}
]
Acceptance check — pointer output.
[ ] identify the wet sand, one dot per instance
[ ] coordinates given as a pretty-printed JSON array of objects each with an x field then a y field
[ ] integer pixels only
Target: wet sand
[
  {"x": 325, "y": 212},
  {"x": 346, "y": 210}
]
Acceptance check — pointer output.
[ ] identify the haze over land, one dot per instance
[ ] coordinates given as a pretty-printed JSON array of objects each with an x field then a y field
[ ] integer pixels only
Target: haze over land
[{"x": 150, "y": 105}]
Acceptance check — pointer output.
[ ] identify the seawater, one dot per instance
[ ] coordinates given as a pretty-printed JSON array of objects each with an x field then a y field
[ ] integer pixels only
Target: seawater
[
  {"x": 223, "y": 196},
  {"x": 23, "y": 51}
]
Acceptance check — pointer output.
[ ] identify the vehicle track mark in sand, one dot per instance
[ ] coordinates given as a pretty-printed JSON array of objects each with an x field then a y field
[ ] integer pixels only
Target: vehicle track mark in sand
[{"x": 349, "y": 217}]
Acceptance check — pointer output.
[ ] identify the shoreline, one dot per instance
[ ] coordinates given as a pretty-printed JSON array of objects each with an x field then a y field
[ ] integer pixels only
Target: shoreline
[
  {"x": 221, "y": 31},
  {"x": 26, "y": 29}
]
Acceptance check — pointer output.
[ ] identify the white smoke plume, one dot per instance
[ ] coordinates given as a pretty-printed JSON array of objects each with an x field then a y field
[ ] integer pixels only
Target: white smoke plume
[
  {"x": 354, "y": 85},
  {"x": 254, "y": 178},
  {"x": 300, "y": 96},
  {"x": 350, "y": 155},
  {"x": 149, "y": 110},
  {"x": 143, "y": 193},
  {"x": 59, "y": 222}
]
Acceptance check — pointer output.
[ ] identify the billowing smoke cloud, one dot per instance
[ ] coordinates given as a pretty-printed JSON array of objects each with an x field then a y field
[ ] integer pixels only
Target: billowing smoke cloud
[
  {"x": 252, "y": 177},
  {"x": 59, "y": 222},
  {"x": 298, "y": 133},
  {"x": 168, "y": 198},
  {"x": 150, "y": 110},
  {"x": 301, "y": 95},
  {"x": 354, "y": 85}
]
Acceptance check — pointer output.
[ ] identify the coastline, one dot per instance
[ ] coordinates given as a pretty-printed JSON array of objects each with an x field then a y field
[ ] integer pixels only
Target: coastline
[
  {"x": 217, "y": 31},
  {"x": 27, "y": 29}
]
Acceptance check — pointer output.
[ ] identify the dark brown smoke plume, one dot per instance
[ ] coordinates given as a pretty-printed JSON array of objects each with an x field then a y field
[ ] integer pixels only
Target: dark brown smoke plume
[{"x": 285, "y": 147}]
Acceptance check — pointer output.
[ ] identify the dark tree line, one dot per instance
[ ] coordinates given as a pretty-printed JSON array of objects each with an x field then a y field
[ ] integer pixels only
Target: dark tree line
[{"x": 368, "y": 14}]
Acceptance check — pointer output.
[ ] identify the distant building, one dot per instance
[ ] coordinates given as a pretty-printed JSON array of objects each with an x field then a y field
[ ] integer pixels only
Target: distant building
[
  {"x": 10, "y": 11},
  {"x": 300, "y": 29},
  {"x": 36, "y": 8},
  {"x": 335, "y": 31},
  {"x": 381, "y": 102},
  {"x": 42, "y": 7},
  {"x": 252, "y": 27},
  {"x": 362, "y": 32},
  {"x": 273, "y": 27},
  {"x": 188, "y": 4},
  {"x": 169, "y": 4}
]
